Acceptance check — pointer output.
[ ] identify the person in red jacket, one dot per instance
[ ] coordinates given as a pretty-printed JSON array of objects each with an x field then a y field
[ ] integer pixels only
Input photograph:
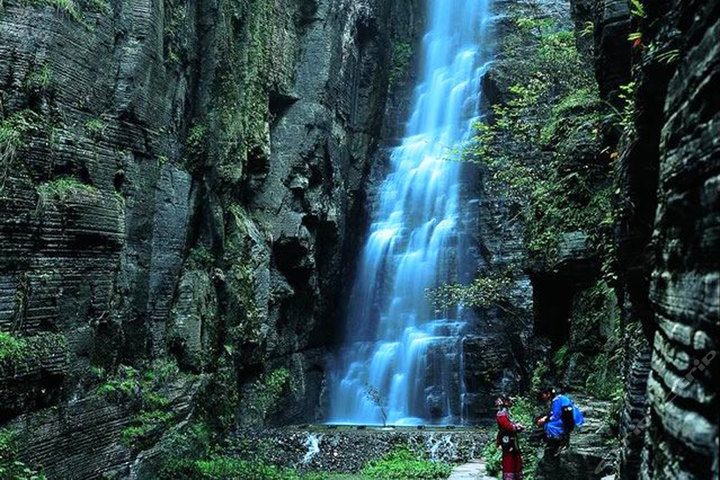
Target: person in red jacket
[{"x": 507, "y": 439}]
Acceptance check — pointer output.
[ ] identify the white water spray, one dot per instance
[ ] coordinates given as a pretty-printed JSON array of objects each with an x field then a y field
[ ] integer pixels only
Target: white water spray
[{"x": 312, "y": 443}]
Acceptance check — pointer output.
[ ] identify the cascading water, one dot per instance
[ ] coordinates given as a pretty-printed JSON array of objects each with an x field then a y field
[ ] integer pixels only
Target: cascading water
[
  {"x": 397, "y": 346},
  {"x": 312, "y": 443}
]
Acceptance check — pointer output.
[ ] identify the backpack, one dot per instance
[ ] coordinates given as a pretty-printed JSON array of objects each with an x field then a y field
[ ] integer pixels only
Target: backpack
[{"x": 567, "y": 415}]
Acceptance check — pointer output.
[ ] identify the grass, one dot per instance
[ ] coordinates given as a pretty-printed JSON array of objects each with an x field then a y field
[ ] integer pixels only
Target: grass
[
  {"x": 346, "y": 476},
  {"x": 144, "y": 425},
  {"x": 402, "y": 464},
  {"x": 220, "y": 467},
  {"x": 14, "y": 351},
  {"x": 17, "y": 353}
]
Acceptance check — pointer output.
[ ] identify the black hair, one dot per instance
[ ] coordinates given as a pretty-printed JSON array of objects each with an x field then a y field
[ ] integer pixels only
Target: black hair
[{"x": 547, "y": 389}]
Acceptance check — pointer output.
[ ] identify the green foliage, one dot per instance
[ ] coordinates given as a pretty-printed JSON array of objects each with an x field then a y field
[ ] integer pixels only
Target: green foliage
[
  {"x": 264, "y": 393},
  {"x": 627, "y": 116},
  {"x": 220, "y": 399},
  {"x": 101, "y": 6},
  {"x": 402, "y": 54},
  {"x": 12, "y": 349},
  {"x": 635, "y": 36},
  {"x": 530, "y": 145},
  {"x": 17, "y": 354},
  {"x": 11, "y": 468},
  {"x": 13, "y": 133},
  {"x": 129, "y": 382},
  {"x": 125, "y": 383},
  {"x": 175, "y": 37},
  {"x": 577, "y": 106},
  {"x": 401, "y": 464},
  {"x": 492, "y": 454},
  {"x": 200, "y": 258},
  {"x": 588, "y": 29},
  {"x": 560, "y": 356},
  {"x": 637, "y": 8},
  {"x": 144, "y": 391},
  {"x": 68, "y": 7},
  {"x": 62, "y": 189},
  {"x": 143, "y": 426},
  {"x": 196, "y": 146},
  {"x": 491, "y": 290},
  {"x": 95, "y": 127},
  {"x": 250, "y": 327},
  {"x": 196, "y": 138},
  {"x": 669, "y": 56},
  {"x": 539, "y": 373},
  {"x": 39, "y": 80},
  {"x": 604, "y": 379},
  {"x": 221, "y": 467}
]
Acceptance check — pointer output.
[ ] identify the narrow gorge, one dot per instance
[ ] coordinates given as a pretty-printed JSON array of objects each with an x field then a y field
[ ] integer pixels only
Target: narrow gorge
[{"x": 315, "y": 239}]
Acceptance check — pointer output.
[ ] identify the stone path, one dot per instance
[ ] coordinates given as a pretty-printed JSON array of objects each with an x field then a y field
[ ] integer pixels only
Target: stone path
[{"x": 475, "y": 470}]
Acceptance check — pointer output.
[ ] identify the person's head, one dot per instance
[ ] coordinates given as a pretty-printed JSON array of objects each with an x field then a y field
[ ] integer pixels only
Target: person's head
[
  {"x": 503, "y": 401},
  {"x": 547, "y": 393}
]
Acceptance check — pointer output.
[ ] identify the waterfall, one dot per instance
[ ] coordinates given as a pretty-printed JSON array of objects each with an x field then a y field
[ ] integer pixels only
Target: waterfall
[
  {"x": 441, "y": 448},
  {"x": 312, "y": 443},
  {"x": 397, "y": 345}
]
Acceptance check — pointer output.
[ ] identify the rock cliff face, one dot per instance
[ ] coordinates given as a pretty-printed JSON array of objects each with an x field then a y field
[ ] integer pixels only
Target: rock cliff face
[
  {"x": 667, "y": 175},
  {"x": 627, "y": 305},
  {"x": 684, "y": 289},
  {"x": 180, "y": 181},
  {"x": 183, "y": 188}
]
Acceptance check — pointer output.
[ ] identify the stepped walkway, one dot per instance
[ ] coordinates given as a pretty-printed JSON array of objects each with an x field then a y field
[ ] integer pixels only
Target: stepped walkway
[{"x": 475, "y": 470}]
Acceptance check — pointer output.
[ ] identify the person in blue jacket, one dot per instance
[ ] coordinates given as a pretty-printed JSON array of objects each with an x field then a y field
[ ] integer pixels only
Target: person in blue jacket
[{"x": 562, "y": 420}]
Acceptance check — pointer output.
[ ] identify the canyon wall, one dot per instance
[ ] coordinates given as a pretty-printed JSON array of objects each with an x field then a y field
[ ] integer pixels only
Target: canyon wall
[
  {"x": 182, "y": 188},
  {"x": 617, "y": 244},
  {"x": 183, "y": 193},
  {"x": 666, "y": 228}
]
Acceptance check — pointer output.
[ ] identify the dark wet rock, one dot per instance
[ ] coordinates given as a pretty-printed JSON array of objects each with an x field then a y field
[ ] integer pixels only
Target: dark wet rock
[
  {"x": 682, "y": 436},
  {"x": 190, "y": 186},
  {"x": 667, "y": 180},
  {"x": 612, "y": 27},
  {"x": 347, "y": 449}
]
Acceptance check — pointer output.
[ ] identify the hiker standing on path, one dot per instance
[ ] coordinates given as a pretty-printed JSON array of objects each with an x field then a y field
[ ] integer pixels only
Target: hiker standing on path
[
  {"x": 507, "y": 439},
  {"x": 564, "y": 416}
]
